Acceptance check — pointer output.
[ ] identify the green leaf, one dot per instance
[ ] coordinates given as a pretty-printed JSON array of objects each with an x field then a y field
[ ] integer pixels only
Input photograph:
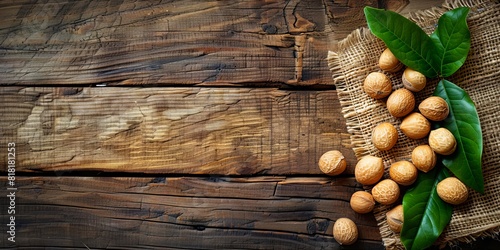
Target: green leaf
[
  {"x": 425, "y": 214},
  {"x": 463, "y": 123},
  {"x": 452, "y": 40},
  {"x": 406, "y": 40}
]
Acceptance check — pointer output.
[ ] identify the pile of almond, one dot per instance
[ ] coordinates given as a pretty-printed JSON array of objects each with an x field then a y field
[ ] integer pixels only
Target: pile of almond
[{"x": 369, "y": 170}]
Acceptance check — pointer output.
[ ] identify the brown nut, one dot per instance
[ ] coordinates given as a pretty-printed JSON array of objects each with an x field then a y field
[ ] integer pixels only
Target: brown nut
[
  {"x": 369, "y": 170},
  {"x": 332, "y": 163},
  {"x": 434, "y": 108},
  {"x": 413, "y": 80},
  {"x": 388, "y": 62},
  {"x": 452, "y": 190},
  {"x": 395, "y": 218},
  {"x": 400, "y": 103},
  {"x": 423, "y": 158},
  {"x": 384, "y": 136},
  {"x": 345, "y": 231},
  {"x": 442, "y": 141},
  {"x": 415, "y": 126},
  {"x": 362, "y": 202},
  {"x": 386, "y": 192},
  {"x": 403, "y": 172},
  {"x": 377, "y": 85}
]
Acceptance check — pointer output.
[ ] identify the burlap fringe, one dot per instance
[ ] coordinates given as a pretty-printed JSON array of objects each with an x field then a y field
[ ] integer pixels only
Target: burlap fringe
[
  {"x": 357, "y": 140},
  {"x": 348, "y": 110}
]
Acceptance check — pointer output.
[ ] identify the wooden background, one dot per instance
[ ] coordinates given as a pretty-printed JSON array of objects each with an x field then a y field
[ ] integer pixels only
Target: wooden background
[{"x": 176, "y": 124}]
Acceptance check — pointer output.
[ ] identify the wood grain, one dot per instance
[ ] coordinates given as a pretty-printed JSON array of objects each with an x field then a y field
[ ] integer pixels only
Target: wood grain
[
  {"x": 230, "y": 131},
  {"x": 272, "y": 43},
  {"x": 186, "y": 212}
]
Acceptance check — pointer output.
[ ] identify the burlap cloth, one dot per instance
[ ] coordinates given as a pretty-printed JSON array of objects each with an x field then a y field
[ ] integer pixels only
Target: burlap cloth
[{"x": 358, "y": 54}]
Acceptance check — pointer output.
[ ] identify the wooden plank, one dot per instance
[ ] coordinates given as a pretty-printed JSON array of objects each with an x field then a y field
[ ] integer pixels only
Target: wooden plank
[
  {"x": 185, "y": 212},
  {"x": 230, "y": 131},
  {"x": 345, "y": 16},
  {"x": 414, "y": 6},
  {"x": 170, "y": 43}
]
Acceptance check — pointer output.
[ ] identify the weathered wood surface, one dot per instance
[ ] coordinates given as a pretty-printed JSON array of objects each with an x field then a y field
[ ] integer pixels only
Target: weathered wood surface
[
  {"x": 186, "y": 213},
  {"x": 229, "y": 131},
  {"x": 183, "y": 139},
  {"x": 174, "y": 42}
]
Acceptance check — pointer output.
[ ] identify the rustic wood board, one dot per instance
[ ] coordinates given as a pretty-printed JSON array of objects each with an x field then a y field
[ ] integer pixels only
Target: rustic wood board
[
  {"x": 174, "y": 42},
  {"x": 228, "y": 163},
  {"x": 229, "y": 131},
  {"x": 186, "y": 212}
]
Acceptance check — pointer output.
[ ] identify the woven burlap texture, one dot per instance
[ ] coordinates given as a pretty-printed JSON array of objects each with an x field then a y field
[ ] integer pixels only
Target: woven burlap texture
[{"x": 357, "y": 56}]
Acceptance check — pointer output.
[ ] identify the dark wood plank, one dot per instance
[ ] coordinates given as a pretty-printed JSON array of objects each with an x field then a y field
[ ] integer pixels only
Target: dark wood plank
[
  {"x": 230, "y": 131},
  {"x": 346, "y": 15},
  {"x": 172, "y": 42},
  {"x": 185, "y": 212}
]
